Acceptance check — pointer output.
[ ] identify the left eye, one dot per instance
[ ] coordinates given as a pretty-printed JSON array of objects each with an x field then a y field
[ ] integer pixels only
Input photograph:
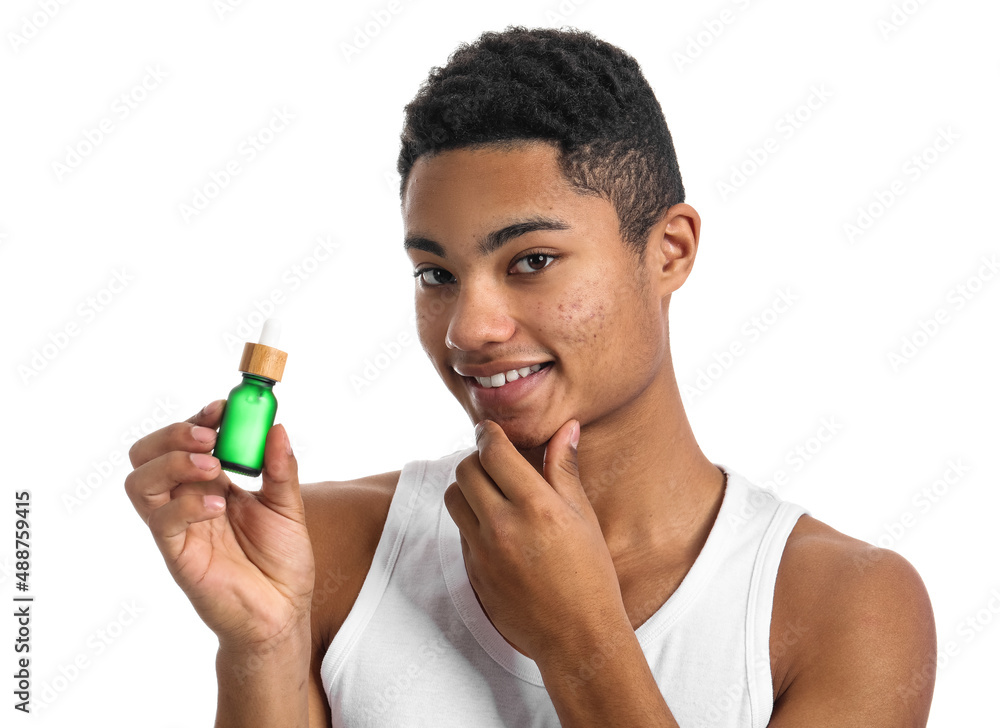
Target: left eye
[{"x": 532, "y": 259}]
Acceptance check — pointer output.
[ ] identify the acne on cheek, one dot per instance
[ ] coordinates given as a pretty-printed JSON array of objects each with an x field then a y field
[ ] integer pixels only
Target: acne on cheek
[{"x": 580, "y": 320}]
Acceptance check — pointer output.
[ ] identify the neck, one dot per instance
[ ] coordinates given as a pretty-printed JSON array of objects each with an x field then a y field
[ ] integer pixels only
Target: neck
[{"x": 649, "y": 483}]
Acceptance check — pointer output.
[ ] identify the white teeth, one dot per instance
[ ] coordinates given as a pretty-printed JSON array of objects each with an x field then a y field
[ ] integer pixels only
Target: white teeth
[{"x": 498, "y": 380}]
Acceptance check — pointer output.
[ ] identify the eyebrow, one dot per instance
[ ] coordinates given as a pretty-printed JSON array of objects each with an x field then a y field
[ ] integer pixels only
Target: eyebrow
[{"x": 493, "y": 240}]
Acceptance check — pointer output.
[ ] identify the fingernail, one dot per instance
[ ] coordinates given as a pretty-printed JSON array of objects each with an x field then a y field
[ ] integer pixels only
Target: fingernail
[
  {"x": 288, "y": 443},
  {"x": 214, "y": 502},
  {"x": 574, "y": 435},
  {"x": 202, "y": 434},
  {"x": 210, "y": 409},
  {"x": 203, "y": 461}
]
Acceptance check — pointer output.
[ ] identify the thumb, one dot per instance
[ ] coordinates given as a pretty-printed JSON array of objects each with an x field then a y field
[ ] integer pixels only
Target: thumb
[
  {"x": 559, "y": 464},
  {"x": 281, "y": 471}
]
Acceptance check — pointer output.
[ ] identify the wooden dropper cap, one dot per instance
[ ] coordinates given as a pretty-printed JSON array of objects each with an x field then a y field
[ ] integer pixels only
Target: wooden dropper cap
[{"x": 262, "y": 358}]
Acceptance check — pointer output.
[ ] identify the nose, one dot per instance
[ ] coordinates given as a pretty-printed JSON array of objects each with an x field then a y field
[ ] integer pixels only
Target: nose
[{"x": 479, "y": 317}]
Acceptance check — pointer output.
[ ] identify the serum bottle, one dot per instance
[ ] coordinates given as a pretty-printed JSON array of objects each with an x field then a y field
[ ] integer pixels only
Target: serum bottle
[{"x": 251, "y": 405}]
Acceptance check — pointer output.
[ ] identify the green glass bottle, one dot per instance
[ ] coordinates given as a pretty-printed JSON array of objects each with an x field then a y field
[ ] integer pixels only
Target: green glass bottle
[{"x": 251, "y": 406}]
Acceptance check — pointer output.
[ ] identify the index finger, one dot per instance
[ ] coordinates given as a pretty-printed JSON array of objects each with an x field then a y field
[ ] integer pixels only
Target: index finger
[
  {"x": 178, "y": 436},
  {"x": 502, "y": 462}
]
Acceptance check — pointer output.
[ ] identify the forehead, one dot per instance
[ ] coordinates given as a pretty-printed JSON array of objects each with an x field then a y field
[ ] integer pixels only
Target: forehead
[{"x": 470, "y": 181}]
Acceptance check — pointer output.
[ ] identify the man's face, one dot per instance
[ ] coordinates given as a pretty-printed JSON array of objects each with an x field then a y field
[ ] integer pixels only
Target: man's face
[{"x": 559, "y": 289}]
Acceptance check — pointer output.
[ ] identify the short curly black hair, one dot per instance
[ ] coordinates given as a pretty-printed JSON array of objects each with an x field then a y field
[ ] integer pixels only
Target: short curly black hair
[{"x": 562, "y": 85}]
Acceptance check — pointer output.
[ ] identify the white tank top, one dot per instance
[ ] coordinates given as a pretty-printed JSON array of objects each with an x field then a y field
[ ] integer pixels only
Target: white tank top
[{"x": 416, "y": 648}]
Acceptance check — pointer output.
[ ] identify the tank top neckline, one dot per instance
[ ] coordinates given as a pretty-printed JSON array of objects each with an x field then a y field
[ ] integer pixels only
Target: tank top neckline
[{"x": 464, "y": 598}]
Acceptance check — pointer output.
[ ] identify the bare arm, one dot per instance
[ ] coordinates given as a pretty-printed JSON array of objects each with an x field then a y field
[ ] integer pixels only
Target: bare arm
[
  {"x": 267, "y": 686},
  {"x": 607, "y": 682},
  {"x": 871, "y": 653}
]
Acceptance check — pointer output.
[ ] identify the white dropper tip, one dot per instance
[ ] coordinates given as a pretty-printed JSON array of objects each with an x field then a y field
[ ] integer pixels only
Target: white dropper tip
[{"x": 271, "y": 332}]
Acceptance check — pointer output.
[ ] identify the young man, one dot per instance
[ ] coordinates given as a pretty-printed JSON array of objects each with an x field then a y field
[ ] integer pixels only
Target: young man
[{"x": 585, "y": 564}]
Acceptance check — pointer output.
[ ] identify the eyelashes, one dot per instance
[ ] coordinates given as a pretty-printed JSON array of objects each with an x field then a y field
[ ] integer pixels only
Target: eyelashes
[{"x": 421, "y": 273}]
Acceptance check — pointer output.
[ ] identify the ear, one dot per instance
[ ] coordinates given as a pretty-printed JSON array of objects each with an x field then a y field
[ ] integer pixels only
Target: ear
[{"x": 672, "y": 247}]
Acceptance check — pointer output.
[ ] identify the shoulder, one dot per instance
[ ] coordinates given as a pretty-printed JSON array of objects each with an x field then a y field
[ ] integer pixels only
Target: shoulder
[
  {"x": 851, "y": 623},
  {"x": 345, "y": 521}
]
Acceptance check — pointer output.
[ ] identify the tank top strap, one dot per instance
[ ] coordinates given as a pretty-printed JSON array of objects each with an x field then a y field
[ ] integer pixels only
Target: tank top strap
[
  {"x": 759, "y": 609},
  {"x": 417, "y": 493},
  {"x": 404, "y": 501}
]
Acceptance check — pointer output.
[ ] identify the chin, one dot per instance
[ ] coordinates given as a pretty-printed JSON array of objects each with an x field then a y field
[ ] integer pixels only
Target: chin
[
  {"x": 524, "y": 437},
  {"x": 529, "y": 443}
]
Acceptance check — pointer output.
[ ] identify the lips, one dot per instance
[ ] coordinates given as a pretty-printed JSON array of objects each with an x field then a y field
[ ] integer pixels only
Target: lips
[
  {"x": 496, "y": 367},
  {"x": 511, "y": 375},
  {"x": 510, "y": 393}
]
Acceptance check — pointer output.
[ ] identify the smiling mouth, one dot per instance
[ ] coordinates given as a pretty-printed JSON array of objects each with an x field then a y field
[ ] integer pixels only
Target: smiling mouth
[{"x": 498, "y": 381}]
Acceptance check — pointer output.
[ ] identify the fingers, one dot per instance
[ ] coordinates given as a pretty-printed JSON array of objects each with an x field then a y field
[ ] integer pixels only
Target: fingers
[
  {"x": 170, "y": 522},
  {"x": 503, "y": 464},
  {"x": 460, "y": 510},
  {"x": 149, "y": 486},
  {"x": 480, "y": 489},
  {"x": 195, "y": 434},
  {"x": 281, "y": 473}
]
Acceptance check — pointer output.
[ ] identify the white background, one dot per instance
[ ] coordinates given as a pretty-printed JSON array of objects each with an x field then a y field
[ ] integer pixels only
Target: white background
[{"x": 169, "y": 341}]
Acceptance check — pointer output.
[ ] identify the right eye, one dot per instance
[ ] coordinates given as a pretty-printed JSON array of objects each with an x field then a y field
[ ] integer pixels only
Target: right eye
[{"x": 433, "y": 276}]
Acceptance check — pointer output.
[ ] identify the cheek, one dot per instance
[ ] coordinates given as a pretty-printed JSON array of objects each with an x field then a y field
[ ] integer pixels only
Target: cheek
[
  {"x": 599, "y": 323},
  {"x": 431, "y": 324},
  {"x": 580, "y": 316},
  {"x": 431, "y": 316}
]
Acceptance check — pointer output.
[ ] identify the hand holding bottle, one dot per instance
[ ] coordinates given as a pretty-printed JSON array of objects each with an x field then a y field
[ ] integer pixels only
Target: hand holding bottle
[{"x": 243, "y": 558}]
